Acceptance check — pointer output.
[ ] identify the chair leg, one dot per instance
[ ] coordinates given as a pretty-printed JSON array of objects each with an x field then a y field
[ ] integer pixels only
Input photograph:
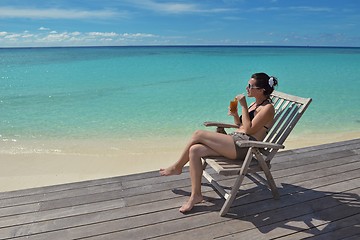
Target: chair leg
[
  {"x": 269, "y": 177},
  {"x": 225, "y": 208},
  {"x": 220, "y": 130},
  {"x": 204, "y": 164}
]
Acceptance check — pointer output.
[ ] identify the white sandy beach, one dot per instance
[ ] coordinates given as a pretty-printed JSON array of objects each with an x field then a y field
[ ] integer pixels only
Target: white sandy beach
[{"x": 35, "y": 164}]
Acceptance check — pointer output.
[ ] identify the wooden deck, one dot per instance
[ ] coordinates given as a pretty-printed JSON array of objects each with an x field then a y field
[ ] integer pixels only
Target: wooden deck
[{"x": 319, "y": 188}]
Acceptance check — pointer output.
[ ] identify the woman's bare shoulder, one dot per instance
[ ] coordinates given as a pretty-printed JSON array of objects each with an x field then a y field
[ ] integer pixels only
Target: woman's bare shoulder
[{"x": 267, "y": 109}]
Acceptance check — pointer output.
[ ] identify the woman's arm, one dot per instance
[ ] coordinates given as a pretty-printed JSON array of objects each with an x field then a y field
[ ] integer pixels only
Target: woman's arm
[
  {"x": 264, "y": 115},
  {"x": 245, "y": 119}
]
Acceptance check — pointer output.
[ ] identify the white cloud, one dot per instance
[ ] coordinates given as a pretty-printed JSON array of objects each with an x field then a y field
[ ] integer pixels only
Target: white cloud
[
  {"x": 311, "y": 9},
  {"x": 138, "y": 35},
  {"x": 176, "y": 8},
  {"x": 54, "y": 13},
  {"x": 56, "y": 37},
  {"x": 43, "y": 29},
  {"x": 12, "y": 36},
  {"x": 264, "y": 9},
  {"x": 164, "y": 7},
  {"x": 75, "y": 33},
  {"x": 27, "y": 35},
  {"x": 103, "y": 34},
  {"x": 298, "y": 9},
  {"x": 76, "y": 38}
]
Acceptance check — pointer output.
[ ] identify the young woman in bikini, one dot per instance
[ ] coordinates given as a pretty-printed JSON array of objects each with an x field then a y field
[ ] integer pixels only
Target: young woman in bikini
[{"x": 253, "y": 123}]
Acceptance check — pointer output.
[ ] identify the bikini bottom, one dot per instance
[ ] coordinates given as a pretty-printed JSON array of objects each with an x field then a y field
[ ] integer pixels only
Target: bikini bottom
[{"x": 241, "y": 151}]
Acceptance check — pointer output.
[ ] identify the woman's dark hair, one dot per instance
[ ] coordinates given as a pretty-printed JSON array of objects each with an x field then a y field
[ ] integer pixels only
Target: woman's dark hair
[{"x": 265, "y": 82}]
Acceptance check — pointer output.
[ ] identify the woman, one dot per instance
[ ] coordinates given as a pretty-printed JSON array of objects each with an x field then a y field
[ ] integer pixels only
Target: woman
[{"x": 253, "y": 125}]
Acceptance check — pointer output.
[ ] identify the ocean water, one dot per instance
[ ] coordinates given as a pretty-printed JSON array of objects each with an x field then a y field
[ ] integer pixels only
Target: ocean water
[{"x": 143, "y": 92}]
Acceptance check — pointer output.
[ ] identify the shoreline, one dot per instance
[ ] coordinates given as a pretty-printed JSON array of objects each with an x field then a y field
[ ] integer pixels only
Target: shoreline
[{"x": 30, "y": 164}]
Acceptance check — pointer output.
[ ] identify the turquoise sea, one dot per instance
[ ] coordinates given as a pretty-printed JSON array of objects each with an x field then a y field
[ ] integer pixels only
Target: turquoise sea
[{"x": 122, "y": 92}]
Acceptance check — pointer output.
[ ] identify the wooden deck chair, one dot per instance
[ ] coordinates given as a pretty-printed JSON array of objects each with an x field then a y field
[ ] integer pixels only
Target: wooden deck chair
[{"x": 288, "y": 111}]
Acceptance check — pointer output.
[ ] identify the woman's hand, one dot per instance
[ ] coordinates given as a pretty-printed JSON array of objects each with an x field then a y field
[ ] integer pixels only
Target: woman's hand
[
  {"x": 242, "y": 100},
  {"x": 233, "y": 113}
]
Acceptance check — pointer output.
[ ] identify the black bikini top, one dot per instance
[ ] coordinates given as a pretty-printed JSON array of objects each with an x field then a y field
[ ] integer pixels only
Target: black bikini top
[{"x": 252, "y": 112}]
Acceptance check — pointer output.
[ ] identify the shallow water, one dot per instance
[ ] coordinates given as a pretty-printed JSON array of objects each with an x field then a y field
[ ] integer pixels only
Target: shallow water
[{"x": 122, "y": 92}]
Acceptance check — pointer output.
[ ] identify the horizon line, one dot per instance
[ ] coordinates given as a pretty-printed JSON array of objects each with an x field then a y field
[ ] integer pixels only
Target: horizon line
[{"x": 180, "y": 45}]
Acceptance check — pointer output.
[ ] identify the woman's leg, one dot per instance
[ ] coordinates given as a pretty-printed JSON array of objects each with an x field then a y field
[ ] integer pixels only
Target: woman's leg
[
  {"x": 218, "y": 142},
  {"x": 201, "y": 144},
  {"x": 177, "y": 167},
  {"x": 196, "y": 152}
]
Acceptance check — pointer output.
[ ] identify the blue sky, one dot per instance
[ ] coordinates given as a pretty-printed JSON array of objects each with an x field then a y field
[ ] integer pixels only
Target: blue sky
[{"x": 179, "y": 22}]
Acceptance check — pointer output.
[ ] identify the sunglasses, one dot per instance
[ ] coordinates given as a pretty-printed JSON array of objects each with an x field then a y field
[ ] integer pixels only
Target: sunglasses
[{"x": 251, "y": 86}]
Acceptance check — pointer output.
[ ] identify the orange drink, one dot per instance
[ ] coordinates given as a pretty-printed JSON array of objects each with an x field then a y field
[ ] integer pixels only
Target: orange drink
[{"x": 233, "y": 105}]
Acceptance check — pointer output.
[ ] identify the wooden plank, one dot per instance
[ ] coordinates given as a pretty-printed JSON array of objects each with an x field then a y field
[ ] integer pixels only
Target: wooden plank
[
  {"x": 311, "y": 160},
  {"x": 290, "y": 97},
  {"x": 344, "y": 228},
  {"x": 116, "y": 186},
  {"x": 256, "y": 220},
  {"x": 229, "y": 167},
  {"x": 92, "y": 184},
  {"x": 313, "y": 153},
  {"x": 75, "y": 185},
  {"x": 355, "y": 237},
  {"x": 91, "y": 199},
  {"x": 314, "y": 221},
  {"x": 48, "y": 195},
  {"x": 334, "y": 146},
  {"x": 182, "y": 225},
  {"x": 224, "y": 166},
  {"x": 176, "y": 184},
  {"x": 318, "y": 165},
  {"x": 48, "y": 205},
  {"x": 151, "y": 219},
  {"x": 286, "y": 124},
  {"x": 108, "y": 189},
  {"x": 115, "y": 212},
  {"x": 304, "y": 210},
  {"x": 113, "y": 195},
  {"x": 280, "y": 117},
  {"x": 174, "y": 210},
  {"x": 310, "y": 186}
]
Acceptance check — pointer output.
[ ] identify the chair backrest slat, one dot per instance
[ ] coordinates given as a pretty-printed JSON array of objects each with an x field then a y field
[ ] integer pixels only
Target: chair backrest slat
[
  {"x": 274, "y": 100},
  {"x": 280, "y": 104},
  {"x": 280, "y": 107},
  {"x": 288, "y": 111},
  {"x": 278, "y": 112},
  {"x": 287, "y": 123},
  {"x": 279, "y": 122}
]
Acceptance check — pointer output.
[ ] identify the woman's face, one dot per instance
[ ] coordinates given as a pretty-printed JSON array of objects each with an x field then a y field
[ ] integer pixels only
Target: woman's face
[{"x": 251, "y": 88}]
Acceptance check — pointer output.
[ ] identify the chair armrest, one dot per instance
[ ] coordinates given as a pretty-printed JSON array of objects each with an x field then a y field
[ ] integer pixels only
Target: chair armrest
[
  {"x": 219, "y": 124},
  {"x": 259, "y": 144}
]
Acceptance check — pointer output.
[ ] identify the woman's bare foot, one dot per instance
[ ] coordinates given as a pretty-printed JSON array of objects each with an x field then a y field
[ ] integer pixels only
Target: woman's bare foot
[
  {"x": 190, "y": 203},
  {"x": 170, "y": 171}
]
